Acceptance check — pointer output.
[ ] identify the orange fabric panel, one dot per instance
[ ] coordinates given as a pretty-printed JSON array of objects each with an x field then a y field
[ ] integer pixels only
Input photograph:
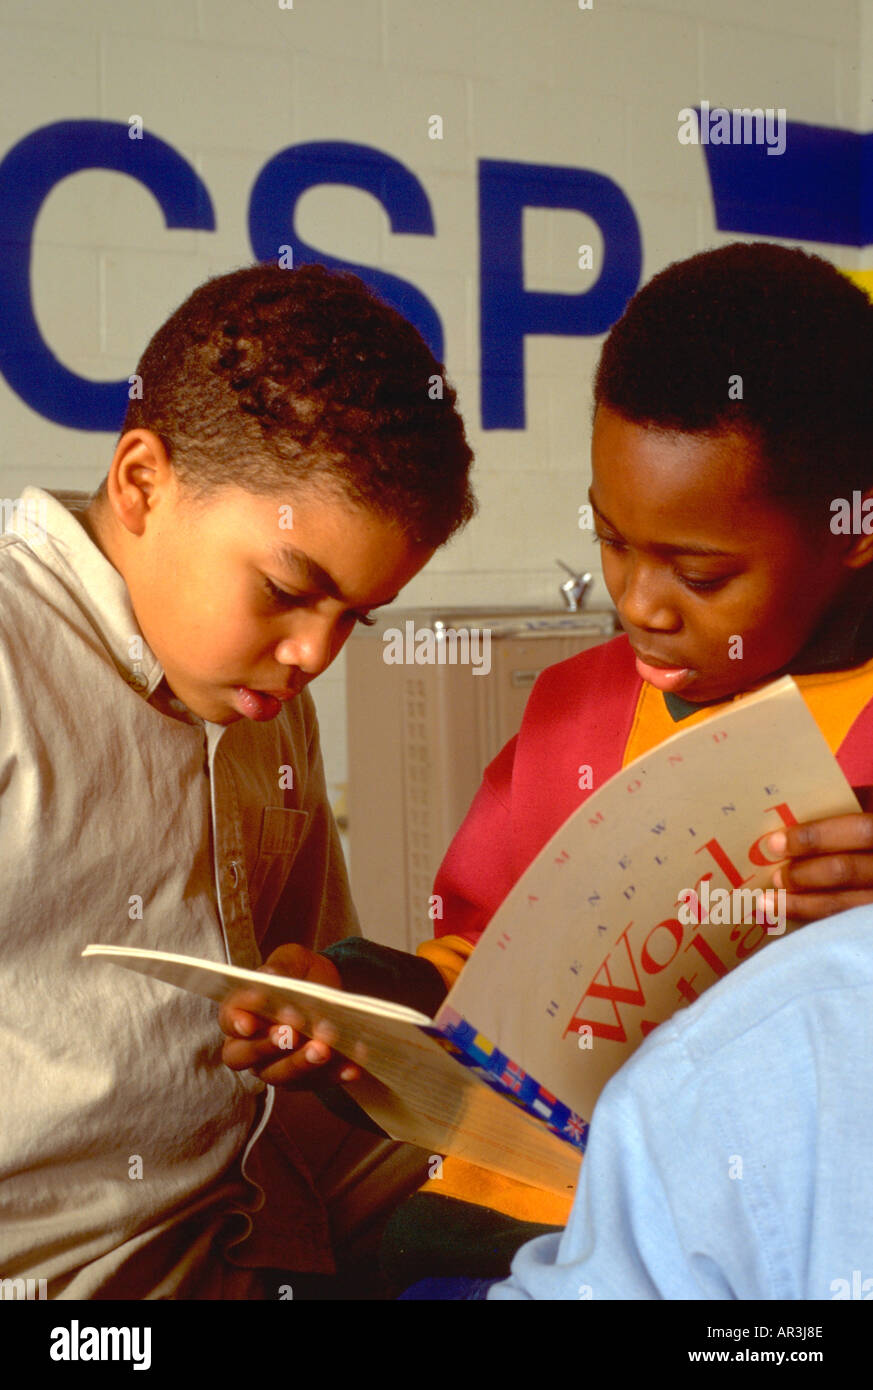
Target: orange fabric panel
[
  {"x": 835, "y": 699},
  {"x": 468, "y": 1183},
  {"x": 448, "y": 954}
]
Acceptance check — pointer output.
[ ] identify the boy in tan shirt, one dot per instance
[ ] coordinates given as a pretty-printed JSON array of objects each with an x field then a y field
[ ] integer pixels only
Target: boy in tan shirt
[{"x": 286, "y": 470}]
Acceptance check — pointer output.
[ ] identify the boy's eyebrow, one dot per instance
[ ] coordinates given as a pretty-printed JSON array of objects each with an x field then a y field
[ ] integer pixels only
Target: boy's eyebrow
[
  {"x": 664, "y": 549},
  {"x": 314, "y": 576}
]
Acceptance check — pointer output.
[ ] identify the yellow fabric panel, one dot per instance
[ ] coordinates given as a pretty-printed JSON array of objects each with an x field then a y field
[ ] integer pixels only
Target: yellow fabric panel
[
  {"x": 448, "y": 954},
  {"x": 468, "y": 1183},
  {"x": 835, "y": 699}
]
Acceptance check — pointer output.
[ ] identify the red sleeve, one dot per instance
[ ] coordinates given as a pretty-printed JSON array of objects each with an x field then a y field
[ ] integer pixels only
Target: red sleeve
[
  {"x": 477, "y": 872},
  {"x": 855, "y": 754}
]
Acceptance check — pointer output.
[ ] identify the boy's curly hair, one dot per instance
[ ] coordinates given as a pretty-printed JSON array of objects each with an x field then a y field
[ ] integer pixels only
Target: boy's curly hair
[
  {"x": 796, "y": 331},
  {"x": 266, "y": 377}
]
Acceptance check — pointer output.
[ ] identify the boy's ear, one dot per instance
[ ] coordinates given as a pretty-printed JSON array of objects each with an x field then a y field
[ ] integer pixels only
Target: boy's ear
[{"x": 139, "y": 471}]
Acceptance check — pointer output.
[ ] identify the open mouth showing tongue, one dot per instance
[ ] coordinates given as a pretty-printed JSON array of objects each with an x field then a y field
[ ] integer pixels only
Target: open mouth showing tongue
[{"x": 255, "y": 704}]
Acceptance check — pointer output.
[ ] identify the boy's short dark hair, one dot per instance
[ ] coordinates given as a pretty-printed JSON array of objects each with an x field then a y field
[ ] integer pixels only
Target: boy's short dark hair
[
  {"x": 268, "y": 377},
  {"x": 796, "y": 332}
]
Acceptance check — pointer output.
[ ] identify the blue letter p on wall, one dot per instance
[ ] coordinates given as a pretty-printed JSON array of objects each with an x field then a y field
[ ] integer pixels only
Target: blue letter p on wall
[{"x": 509, "y": 311}]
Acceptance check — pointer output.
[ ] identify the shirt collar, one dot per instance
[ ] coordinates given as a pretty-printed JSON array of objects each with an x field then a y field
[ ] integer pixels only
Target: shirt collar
[{"x": 47, "y": 523}]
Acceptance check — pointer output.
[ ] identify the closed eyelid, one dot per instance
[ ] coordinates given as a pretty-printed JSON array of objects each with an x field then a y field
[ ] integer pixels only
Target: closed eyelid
[
  {"x": 287, "y": 595},
  {"x": 701, "y": 584},
  {"x": 287, "y": 599}
]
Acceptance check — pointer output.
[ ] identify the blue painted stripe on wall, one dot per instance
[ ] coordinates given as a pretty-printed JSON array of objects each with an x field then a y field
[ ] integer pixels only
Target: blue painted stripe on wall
[{"x": 819, "y": 189}]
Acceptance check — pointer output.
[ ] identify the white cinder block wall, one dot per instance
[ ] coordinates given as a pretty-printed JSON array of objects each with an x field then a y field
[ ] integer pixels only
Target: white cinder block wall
[{"x": 229, "y": 83}]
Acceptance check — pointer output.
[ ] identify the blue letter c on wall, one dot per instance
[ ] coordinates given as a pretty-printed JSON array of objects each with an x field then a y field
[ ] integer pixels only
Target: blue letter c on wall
[{"x": 28, "y": 173}]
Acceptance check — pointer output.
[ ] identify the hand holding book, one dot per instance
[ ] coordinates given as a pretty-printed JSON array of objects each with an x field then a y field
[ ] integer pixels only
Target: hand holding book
[
  {"x": 830, "y": 863},
  {"x": 275, "y": 1049}
]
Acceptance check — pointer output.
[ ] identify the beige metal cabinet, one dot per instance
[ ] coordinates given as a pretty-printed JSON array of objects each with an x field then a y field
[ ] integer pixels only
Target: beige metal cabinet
[{"x": 420, "y": 736}]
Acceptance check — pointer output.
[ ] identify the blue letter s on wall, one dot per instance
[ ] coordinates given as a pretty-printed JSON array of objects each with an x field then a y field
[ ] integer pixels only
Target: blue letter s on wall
[{"x": 287, "y": 176}]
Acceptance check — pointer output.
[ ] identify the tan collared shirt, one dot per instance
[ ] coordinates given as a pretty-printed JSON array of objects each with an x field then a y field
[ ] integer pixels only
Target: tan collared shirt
[{"x": 125, "y": 1142}]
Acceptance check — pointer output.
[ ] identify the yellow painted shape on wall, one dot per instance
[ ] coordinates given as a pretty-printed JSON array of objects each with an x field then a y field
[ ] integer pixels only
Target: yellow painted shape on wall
[{"x": 862, "y": 278}]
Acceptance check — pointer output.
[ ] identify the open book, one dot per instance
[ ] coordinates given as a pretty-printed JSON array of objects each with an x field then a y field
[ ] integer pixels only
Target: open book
[{"x": 649, "y": 893}]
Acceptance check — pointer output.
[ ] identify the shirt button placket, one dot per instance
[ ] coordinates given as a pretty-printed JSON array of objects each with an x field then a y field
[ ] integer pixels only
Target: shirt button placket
[{"x": 230, "y": 864}]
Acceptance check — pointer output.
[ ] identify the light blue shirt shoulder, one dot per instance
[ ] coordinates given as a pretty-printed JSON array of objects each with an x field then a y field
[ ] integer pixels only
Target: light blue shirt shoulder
[{"x": 731, "y": 1156}]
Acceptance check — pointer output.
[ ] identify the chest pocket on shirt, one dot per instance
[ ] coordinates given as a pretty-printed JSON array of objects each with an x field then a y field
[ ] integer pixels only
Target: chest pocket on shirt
[{"x": 281, "y": 837}]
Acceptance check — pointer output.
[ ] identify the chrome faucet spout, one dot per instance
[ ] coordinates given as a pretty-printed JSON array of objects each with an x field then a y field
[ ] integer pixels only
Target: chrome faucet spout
[{"x": 573, "y": 589}]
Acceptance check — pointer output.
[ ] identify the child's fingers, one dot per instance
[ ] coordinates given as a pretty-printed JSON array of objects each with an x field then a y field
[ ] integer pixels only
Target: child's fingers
[
  {"x": 240, "y": 1054},
  {"x": 249, "y": 1012},
  {"x": 826, "y": 872},
  {"x": 246, "y": 1013},
  {"x": 278, "y": 1040},
  {"x": 309, "y": 1065},
  {"x": 299, "y": 1071},
  {"x": 285, "y": 1055},
  {"x": 237, "y": 1023},
  {"x": 836, "y": 835}
]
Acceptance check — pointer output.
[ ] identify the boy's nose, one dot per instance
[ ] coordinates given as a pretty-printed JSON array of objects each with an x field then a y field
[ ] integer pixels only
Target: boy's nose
[
  {"x": 311, "y": 647},
  {"x": 644, "y": 603}
]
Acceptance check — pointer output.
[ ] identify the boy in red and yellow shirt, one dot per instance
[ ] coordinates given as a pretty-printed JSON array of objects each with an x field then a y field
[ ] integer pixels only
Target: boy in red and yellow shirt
[{"x": 733, "y": 413}]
